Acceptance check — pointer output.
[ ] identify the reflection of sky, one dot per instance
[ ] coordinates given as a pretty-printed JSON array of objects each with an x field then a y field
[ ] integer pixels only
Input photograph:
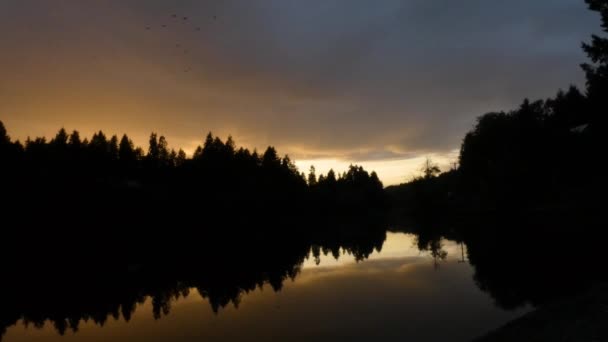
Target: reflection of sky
[
  {"x": 396, "y": 295},
  {"x": 396, "y": 246}
]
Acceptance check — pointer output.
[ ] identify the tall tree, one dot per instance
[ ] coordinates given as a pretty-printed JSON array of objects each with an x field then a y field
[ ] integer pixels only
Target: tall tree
[
  {"x": 99, "y": 144},
  {"x": 126, "y": 151},
  {"x": 181, "y": 158},
  {"x": 75, "y": 142},
  {"x": 597, "y": 50},
  {"x": 208, "y": 145},
  {"x": 270, "y": 159},
  {"x": 429, "y": 169},
  {"x": 61, "y": 138},
  {"x": 198, "y": 153},
  {"x": 163, "y": 150},
  {"x": 113, "y": 147},
  {"x": 153, "y": 150},
  {"x": 4, "y": 138},
  {"x": 331, "y": 177},
  {"x": 375, "y": 180},
  {"x": 230, "y": 146},
  {"x": 312, "y": 176}
]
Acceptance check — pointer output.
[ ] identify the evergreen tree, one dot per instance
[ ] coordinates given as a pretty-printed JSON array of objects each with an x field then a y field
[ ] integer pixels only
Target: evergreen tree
[
  {"x": 153, "y": 149},
  {"x": 99, "y": 146},
  {"x": 61, "y": 139},
  {"x": 312, "y": 177},
  {"x": 198, "y": 153},
  {"x": 270, "y": 159},
  {"x": 163, "y": 150},
  {"x": 230, "y": 146},
  {"x": 331, "y": 177},
  {"x": 113, "y": 148},
  {"x": 126, "y": 152},
  {"x": 75, "y": 142},
  {"x": 597, "y": 50},
  {"x": 181, "y": 158},
  {"x": 4, "y": 138}
]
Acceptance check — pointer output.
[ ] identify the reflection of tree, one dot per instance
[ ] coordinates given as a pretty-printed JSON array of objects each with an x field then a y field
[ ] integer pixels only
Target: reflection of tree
[
  {"x": 429, "y": 238},
  {"x": 523, "y": 259},
  {"x": 113, "y": 287},
  {"x": 462, "y": 259},
  {"x": 151, "y": 224},
  {"x": 434, "y": 246},
  {"x": 535, "y": 259}
]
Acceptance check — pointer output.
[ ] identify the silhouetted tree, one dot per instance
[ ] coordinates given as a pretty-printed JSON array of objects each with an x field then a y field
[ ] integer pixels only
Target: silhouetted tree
[
  {"x": 126, "y": 151},
  {"x": 181, "y": 158},
  {"x": 153, "y": 148},
  {"x": 61, "y": 139},
  {"x": 113, "y": 148},
  {"x": 429, "y": 169},
  {"x": 198, "y": 153},
  {"x": 230, "y": 146},
  {"x": 99, "y": 146},
  {"x": 75, "y": 143},
  {"x": 163, "y": 151},
  {"x": 270, "y": 159},
  {"x": 4, "y": 138},
  {"x": 312, "y": 177},
  {"x": 331, "y": 177},
  {"x": 597, "y": 50}
]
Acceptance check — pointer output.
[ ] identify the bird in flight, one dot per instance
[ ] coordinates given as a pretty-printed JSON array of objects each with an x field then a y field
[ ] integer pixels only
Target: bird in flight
[{"x": 186, "y": 21}]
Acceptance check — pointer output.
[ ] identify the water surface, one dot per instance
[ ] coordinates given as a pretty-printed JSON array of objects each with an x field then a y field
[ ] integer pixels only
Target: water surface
[{"x": 397, "y": 293}]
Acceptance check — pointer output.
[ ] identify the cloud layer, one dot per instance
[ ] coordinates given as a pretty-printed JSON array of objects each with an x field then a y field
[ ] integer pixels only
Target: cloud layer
[{"x": 345, "y": 79}]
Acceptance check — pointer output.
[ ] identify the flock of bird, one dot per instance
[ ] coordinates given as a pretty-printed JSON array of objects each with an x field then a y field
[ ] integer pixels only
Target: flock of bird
[{"x": 175, "y": 18}]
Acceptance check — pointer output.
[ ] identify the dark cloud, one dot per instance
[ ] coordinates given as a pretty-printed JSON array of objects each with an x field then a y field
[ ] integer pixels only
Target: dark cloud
[{"x": 359, "y": 78}]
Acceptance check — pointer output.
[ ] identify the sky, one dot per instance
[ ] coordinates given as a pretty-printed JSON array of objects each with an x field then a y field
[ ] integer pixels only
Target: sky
[{"x": 383, "y": 84}]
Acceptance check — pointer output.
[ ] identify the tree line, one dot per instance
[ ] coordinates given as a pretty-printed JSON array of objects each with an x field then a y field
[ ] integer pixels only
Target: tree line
[
  {"x": 543, "y": 155},
  {"x": 108, "y": 194}
]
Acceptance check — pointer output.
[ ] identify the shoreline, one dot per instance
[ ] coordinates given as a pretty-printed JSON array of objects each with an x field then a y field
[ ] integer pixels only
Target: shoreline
[{"x": 581, "y": 317}]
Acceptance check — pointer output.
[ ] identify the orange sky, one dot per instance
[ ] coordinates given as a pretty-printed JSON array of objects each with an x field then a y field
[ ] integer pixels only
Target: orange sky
[{"x": 330, "y": 83}]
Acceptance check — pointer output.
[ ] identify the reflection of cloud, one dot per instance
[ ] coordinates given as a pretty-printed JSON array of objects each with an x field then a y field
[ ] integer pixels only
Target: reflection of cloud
[
  {"x": 396, "y": 295},
  {"x": 312, "y": 275}
]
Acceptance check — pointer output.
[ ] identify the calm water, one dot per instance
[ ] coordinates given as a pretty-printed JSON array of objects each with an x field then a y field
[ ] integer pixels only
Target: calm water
[{"x": 398, "y": 293}]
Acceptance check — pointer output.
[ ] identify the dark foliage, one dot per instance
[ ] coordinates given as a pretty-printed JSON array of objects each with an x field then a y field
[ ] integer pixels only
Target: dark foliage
[
  {"x": 69, "y": 290},
  {"x": 540, "y": 156},
  {"x": 101, "y": 225}
]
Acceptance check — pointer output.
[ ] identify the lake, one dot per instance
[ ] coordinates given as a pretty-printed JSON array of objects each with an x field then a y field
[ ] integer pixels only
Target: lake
[{"x": 395, "y": 293}]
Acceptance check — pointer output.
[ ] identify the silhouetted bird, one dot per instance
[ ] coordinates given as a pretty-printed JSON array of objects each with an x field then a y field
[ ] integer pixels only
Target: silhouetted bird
[
  {"x": 215, "y": 17},
  {"x": 185, "y": 18}
]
